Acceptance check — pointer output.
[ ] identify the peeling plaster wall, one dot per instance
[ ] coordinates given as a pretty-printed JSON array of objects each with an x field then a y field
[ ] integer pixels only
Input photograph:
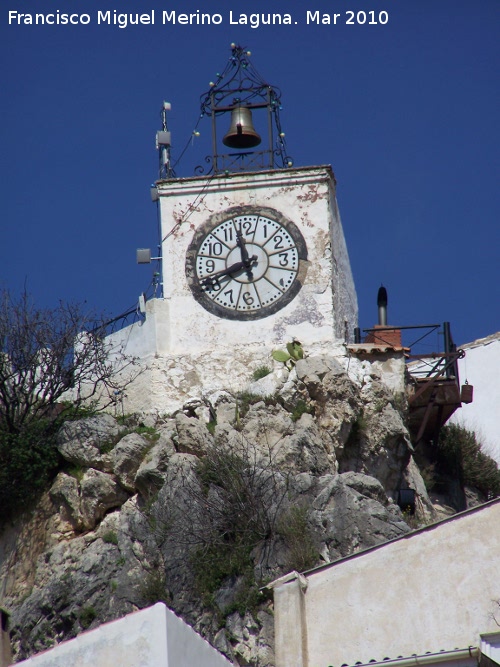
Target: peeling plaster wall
[
  {"x": 169, "y": 380},
  {"x": 306, "y": 196},
  {"x": 430, "y": 591},
  {"x": 185, "y": 350}
]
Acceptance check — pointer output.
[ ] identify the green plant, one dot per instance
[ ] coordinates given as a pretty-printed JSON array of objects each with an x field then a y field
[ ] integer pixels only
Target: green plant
[
  {"x": 234, "y": 494},
  {"x": 459, "y": 452},
  {"x": 291, "y": 356},
  {"x": 153, "y": 588},
  {"x": 29, "y": 461},
  {"x": 261, "y": 372},
  {"x": 211, "y": 426},
  {"x": 300, "y": 408},
  {"x": 106, "y": 446},
  {"x": 110, "y": 537},
  {"x": 244, "y": 400},
  {"x": 76, "y": 471},
  {"x": 412, "y": 520},
  {"x": 294, "y": 528},
  {"x": 87, "y": 616},
  {"x": 148, "y": 432}
]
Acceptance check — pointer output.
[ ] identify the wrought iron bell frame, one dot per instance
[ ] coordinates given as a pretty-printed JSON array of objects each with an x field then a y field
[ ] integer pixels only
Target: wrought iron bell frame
[{"x": 240, "y": 85}]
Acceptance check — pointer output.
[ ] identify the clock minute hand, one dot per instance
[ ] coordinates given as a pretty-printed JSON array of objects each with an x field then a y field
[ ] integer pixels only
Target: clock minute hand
[{"x": 226, "y": 272}]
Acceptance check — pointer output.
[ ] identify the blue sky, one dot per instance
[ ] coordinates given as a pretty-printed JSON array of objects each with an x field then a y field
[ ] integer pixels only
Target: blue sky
[{"x": 406, "y": 113}]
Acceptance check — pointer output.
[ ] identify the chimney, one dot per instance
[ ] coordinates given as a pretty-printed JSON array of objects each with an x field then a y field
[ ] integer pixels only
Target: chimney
[{"x": 382, "y": 334}]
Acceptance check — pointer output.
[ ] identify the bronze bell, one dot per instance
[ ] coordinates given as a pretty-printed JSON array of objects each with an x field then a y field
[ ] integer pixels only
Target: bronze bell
[{"x": 241, "y": 133}]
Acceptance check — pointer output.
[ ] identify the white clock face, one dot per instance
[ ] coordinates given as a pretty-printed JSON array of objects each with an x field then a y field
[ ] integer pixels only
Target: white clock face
[{"x": 247, "y": 265}]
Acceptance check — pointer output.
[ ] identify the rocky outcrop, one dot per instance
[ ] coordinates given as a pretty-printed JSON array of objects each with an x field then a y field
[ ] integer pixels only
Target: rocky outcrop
[{"x": 308, "y": 473}]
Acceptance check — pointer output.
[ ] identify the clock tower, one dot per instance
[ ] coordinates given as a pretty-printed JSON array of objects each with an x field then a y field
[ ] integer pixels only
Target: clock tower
[{"x": 253, "y": 256}]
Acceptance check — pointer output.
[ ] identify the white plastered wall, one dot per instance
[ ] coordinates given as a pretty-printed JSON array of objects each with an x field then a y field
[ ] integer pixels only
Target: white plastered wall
[
  {"x": 153, "y": 637},
  {"x": 434, "y": 590},
  {"x": 326, "y": 305},
  {"x": 481, "y": 368},
  {"x": 187, "y": 352}
]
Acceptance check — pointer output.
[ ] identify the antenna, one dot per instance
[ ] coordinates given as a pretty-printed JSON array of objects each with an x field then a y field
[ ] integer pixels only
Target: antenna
[
  {"x": 143, "y": 256},
  {"x": 164, "y": 143}
]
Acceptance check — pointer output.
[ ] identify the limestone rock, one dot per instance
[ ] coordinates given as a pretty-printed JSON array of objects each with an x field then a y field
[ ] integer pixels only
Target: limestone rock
[
  {"x": 151, "y": 473},
  {"x": 87, "y": 442},
  {"x": 352, "y": 512},
  {"x": 99, "y": 493},
  {"x": 380, "y": 445},
  {"x": 192, "y": 435},
  {"x": 329, "y": 448},
  {"x": 127, "y": 456},
  {"x": 65, "y": 495},
  {"x": 269, "y": 384},
  {"x": 412, "y": 479},
  {"x": 251, "y": 639}
]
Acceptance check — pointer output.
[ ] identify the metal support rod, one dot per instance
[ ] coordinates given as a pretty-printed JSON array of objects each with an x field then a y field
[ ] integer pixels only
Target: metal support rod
[
  {"x": 270, "y": 129},
  {"x": 447, "y": 344},
  {"x": 214, "y": 132}
]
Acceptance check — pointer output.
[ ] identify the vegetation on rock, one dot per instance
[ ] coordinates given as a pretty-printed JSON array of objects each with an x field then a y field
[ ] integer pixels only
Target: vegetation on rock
[
  {"x": 202, "y": 518},
  {"x": 459, "y": 451},
  {"x": 46, "y": 356}
]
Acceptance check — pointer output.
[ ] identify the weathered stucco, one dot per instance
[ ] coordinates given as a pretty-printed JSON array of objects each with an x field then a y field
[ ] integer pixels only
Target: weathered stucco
[
  {"x": 152, "y": 637},
  {"x": 184, "y": 348},
  {"x": 435, "y": 589}
]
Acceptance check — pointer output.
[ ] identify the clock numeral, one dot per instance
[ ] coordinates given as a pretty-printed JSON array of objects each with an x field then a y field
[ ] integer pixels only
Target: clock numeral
[
  {"x": 215, "y": 248},
  {"x": 247, "y": 227},
  {"x": 278, "y": 242},
  {"x": 248, "y": 298},
  {"x": 212, "y": 285},
  {"x": 209, "y": 266},
  {"x": 229, "y": 294},
  {"x": 283, "y": 258},
  {"x": 228, "y": 234}
]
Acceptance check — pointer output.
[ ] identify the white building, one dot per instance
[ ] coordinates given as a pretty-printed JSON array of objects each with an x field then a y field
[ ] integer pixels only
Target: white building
[
  {"x": 481, "y": 368},
  {"x": 432, "y": 596},
  {"x": 153, "y": 637},
  {"x": 251, "y": 261}
]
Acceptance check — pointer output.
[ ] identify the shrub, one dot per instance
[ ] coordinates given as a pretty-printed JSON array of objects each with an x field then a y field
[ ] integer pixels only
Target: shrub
[
  {"x": 293, "y": 527},
  {"x": 153, "y": 588},
  {"x": 458, "y": 451},
  {"x": 28, "y": 462},
  {"x": 110, "y": 537},
  {"x": 300, "y": 408},
  {"x": 87, "y": 616},
  {"x": 221, "y": 517}
]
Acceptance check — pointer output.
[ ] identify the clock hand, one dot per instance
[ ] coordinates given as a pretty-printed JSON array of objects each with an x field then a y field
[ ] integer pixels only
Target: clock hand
[
  {"x": 227, "y": 272},
  {"x": 244, "y": 253}
]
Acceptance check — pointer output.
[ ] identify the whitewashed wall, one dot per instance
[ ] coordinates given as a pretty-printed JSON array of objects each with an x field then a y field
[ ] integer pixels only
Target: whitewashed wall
[
  {"x": 186, "y": 351},
  {"x": 435, "y": 589},
  {"x": 153, "y": 637},
  {"x": 325, "y": 307},
  {"x": 481, "y": 368}
]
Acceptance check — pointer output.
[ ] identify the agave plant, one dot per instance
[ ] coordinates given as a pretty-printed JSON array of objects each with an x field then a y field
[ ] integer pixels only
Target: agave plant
[{"x": 294, "y": 352}]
